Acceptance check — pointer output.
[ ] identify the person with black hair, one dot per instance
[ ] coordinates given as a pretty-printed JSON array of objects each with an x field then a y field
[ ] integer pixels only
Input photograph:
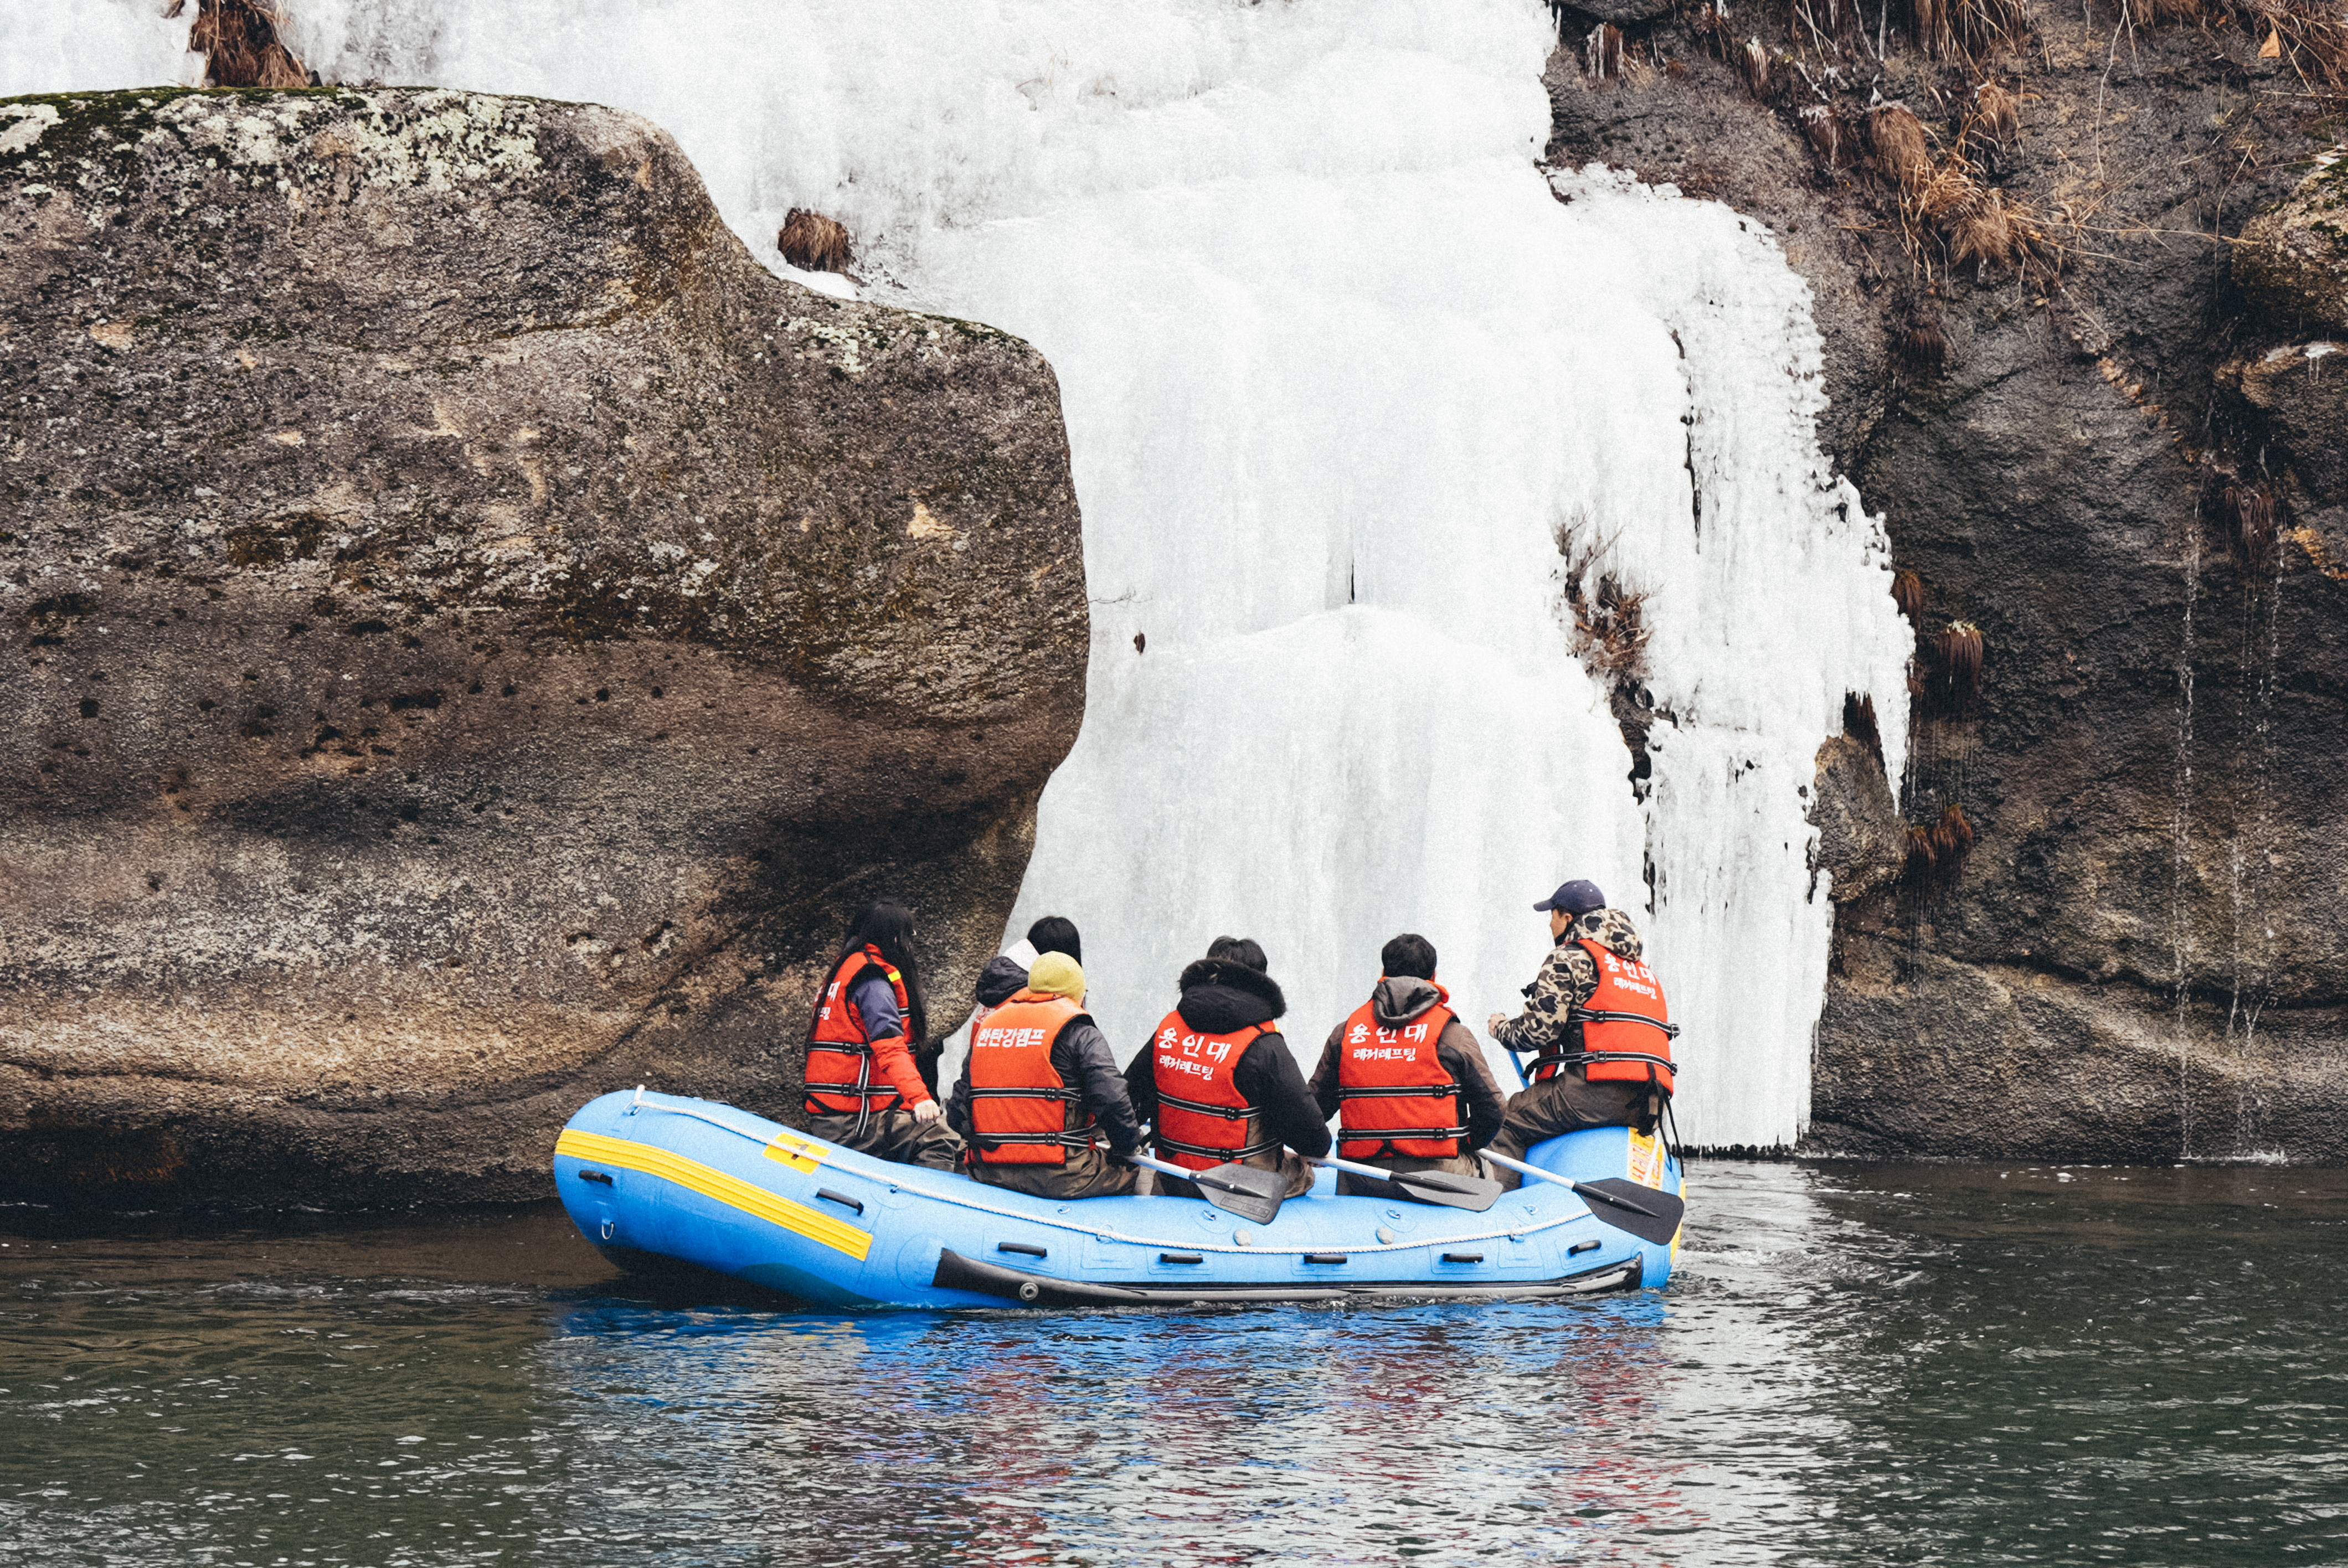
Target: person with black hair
[
  {"x": 864, "y": 1088},
  {"x": 1218, "y": 1081},
  {"x": 1406, "y": 1078},
  {"x": 1007, "y": 972}
]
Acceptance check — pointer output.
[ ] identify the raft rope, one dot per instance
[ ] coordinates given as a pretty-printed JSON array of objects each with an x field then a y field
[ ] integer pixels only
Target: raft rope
[{"x": 1184, "y": 1244}]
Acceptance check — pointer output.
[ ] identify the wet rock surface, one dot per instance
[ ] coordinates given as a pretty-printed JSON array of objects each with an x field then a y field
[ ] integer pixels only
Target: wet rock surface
[
  {"x": 2115, "y": 454},
  {"x": 2292, "y": 260},
  {"x": 472, "y": 634}
]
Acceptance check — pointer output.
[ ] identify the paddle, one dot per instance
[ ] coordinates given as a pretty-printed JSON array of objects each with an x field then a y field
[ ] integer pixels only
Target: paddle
[
  {"x": 1649, "y": 1214},
  {"x": 1243, "y": 1189},
  {"x": 1449, "y": 1188}
]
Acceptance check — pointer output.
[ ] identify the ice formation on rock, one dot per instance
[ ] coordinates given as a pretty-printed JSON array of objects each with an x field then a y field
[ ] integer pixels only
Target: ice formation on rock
[{"x": 1346, "y": 382}]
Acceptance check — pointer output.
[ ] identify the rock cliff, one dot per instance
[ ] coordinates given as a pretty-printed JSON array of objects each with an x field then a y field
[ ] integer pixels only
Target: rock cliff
[
  {"x": 2077, "y": 280},
  {"x": 472, "y": 635}
]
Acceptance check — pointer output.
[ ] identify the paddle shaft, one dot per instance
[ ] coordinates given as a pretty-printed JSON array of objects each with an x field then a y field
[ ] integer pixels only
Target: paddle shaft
[
  {"x": 1167, "y": 1166},
  {"x": 1350, "y": 1167},
  {"x": 1613, "y": 1194},
  {"x": 1524, "y": 1170}
]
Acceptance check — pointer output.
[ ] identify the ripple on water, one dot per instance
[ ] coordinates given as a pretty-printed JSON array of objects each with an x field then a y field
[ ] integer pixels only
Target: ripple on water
[{"x": 1857, "y": 1365}]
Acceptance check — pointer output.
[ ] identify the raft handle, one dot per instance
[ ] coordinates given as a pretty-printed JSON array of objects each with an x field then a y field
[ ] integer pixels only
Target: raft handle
[
  {"x": 586, "y": 1175},
  {"x": 1027, "y": 1248},
  {"x": 1577, "y": 1248},
  {"x": 1324, "y": 1257},
  {"x": 840, "y": 1198},
  {"x": 1179, "y": 1257},
  {"x": 1463, "y": 1257}
]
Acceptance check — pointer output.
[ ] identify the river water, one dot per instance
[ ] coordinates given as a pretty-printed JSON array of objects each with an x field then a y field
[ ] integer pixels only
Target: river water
[{"x": 1858, "y": 1365}]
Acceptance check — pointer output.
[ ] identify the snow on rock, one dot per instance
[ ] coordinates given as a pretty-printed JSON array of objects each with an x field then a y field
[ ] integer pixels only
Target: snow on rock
[{"x": 1343, "y": 377}]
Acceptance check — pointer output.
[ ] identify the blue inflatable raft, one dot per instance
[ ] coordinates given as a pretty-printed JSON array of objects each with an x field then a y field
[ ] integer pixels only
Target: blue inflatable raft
[{"x": 657, "y": 1178}]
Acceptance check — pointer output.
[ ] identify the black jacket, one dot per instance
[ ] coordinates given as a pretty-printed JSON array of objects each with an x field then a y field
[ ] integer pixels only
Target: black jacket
[
  {"x": 1397, "y": 1001},
  {"x": 1082, "y": 1059},
  {"x": 1219, "y": 996},
  {"x": 1000, "y": 981}
]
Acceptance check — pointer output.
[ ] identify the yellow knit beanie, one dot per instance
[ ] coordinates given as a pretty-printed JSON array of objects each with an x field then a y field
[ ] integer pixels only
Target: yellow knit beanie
[{"x": 1056, "y": 974}]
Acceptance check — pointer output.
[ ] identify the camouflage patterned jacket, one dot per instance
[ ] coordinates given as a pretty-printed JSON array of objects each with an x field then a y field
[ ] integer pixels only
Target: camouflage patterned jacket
[{"x": 1566, "y": 980}]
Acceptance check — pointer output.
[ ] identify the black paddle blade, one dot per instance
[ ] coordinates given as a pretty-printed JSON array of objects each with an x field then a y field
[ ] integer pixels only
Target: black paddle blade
[
  {"x": 1243, "y": 1190},
  {"x": 1644, "y": 1211},
  {"x": 1449, "y": 1188}
]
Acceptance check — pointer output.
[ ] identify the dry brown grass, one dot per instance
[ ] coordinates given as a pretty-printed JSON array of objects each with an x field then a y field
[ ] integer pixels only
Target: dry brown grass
[
  {"x": 1997, "y": 111},
  {"x": 1602, "y": 52},
  {"x": 1908, "y": 594},
  {"x": 1830, "y": 135},
  {"x": 239, "y": 41},
  {"x": 1754, "y": 61},
  {"x": 1967, "y": 30},
  {"x": 1963, "y": 652},
  {"x": 1921, "y": 859},
  {"x": 813, "y": 243},
  {"x": 1985, "y": 26},
  {"x": 2313, "y": 38},
  {"x": 1950, "y": 217},
  {"x": 1934, "y": 36},
  {"x": 1953, "y": 841},
  {"x": 1859, "y": 723},
  {"x": 1610, "y": 630},
  {"x": 2251, "y": 526},
  {"x": 1985, "y": 233},
  {"x": 2309, "y": 35},
  {"x": 1952, "y": 837},
  {"x": 1923, "y": 351},
  {"x": 1901, "y": 154}
]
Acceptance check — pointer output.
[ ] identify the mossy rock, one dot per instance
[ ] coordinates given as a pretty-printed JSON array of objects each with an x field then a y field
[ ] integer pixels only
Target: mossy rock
[{"x": 2294, "y": 260}]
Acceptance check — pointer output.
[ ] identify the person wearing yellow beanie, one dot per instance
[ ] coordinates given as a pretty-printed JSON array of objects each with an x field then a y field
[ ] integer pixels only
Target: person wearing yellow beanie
[
  {"x": 1057, "y": 974},
  {"x": 1040, "y": 1093}
]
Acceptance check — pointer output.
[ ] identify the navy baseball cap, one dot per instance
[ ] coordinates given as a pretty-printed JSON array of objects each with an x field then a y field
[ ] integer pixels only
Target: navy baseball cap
[{"x": 1575, "y": 898}]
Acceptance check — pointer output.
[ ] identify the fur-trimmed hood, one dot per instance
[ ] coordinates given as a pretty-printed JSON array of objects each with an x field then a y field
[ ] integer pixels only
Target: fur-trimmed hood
[{"x": 1220, "y": 995}]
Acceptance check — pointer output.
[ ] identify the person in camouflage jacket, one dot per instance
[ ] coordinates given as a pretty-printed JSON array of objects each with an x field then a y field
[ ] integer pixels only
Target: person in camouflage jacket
[{"x": 1567, "y": 1102}]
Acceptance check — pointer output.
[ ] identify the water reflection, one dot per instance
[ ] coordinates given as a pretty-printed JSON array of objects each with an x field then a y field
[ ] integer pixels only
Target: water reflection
[
  {"x": 1451, "y": 1433},
  {"x": 1858, "y": 1366}
]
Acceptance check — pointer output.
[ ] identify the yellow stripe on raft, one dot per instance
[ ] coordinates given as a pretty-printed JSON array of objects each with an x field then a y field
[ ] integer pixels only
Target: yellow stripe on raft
[{"x": 711, "y": 1183}]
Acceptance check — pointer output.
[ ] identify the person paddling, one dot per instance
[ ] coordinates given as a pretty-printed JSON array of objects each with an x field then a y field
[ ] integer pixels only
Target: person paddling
[
  {"x": 1406, "y": 1077},
  {"x": 1040, "y": 1092},
  {"x": 1596, "y": 1024},
  {"x": 1217, "y": 1079},
  {"x": 863, "y": 1091}
]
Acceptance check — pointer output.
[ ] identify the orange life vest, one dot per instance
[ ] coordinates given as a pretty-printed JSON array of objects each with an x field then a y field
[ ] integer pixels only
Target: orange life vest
[
  {"x": 1203, "y": 1120},
  {"x": 1022, "y": 1111},
  {"x": 1394, "y": 1096},
  {"x": 1623, "y": 1033},
  {"x": 839, "y": 1065}
]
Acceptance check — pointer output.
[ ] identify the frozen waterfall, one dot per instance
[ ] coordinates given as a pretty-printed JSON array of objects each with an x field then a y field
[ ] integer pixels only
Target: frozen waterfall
[{"x": 1349, "y": 386}]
